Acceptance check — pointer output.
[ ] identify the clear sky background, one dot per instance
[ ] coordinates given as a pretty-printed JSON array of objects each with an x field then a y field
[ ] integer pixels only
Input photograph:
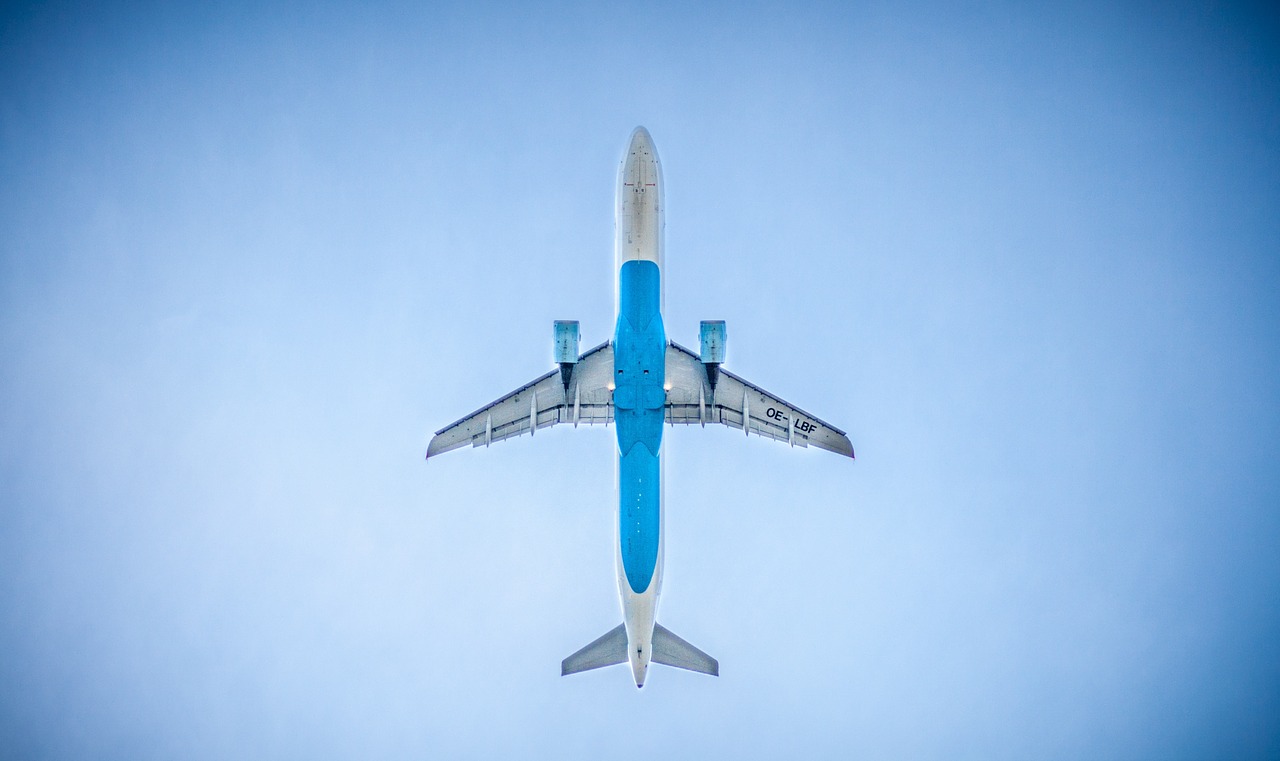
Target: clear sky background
[{"x": 253, "y": 255}]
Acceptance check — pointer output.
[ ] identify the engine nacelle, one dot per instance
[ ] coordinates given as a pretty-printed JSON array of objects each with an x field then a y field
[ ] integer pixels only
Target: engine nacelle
[
  {"x": 567, "y": 340},
  {"x": 714, "y": 342}
]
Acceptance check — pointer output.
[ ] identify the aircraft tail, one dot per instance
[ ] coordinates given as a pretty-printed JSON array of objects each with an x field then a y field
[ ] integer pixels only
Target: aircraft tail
[
  {"x": 670, "y": 650},
  {"x": 606, "y": 651}
]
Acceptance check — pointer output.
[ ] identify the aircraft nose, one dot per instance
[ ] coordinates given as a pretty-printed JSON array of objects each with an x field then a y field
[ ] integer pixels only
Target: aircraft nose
[
  {"x": 641, "y": 141},
  {"x": 639, "y": 170}
]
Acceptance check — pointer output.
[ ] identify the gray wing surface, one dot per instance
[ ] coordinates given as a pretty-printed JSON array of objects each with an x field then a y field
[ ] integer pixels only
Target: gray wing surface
[
  {"x": 670, "y": 650},
  {"x": 740, "y": 404},
  {"x": 541, "y": 403},
  {"x": 608, "y": 650}
]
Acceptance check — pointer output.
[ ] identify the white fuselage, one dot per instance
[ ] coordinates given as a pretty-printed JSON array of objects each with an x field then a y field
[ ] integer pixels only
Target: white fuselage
[{"x": 639, "y": 233}]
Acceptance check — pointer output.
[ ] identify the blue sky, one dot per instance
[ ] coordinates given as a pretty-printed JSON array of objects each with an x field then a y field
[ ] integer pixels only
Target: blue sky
[{"x": 251, "y": 256}]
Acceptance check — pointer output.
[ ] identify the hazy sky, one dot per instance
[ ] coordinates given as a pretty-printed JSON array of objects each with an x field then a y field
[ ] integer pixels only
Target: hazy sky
[{"x": 252, "y": 256}]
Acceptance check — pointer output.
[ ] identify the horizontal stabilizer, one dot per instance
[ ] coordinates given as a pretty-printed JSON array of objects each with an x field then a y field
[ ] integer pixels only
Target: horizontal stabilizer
[
  {"x": 609, "y": 650},
  {"x": 670, "y": 650}
]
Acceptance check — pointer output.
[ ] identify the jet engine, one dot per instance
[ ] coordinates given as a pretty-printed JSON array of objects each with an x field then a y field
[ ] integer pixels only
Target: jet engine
[
  {"x": 714, "y": 341},
  {"x": 567, "y": 340}
]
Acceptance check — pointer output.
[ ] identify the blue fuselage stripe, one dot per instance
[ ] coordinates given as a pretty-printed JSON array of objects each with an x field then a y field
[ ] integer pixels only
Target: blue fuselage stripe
[{"x": 639, "y": 361}]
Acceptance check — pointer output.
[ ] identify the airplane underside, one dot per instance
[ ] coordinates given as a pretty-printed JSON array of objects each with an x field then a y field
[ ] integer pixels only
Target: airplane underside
[{"x": 639, "y": 381}]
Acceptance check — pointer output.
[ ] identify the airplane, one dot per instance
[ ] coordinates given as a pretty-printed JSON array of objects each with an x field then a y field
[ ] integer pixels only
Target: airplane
[{"x": 638, "y": 381}]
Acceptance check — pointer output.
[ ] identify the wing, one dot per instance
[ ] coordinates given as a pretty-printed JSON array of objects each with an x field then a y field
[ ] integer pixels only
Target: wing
[
  {"x": 690, "y": 399},
  {"x": 538, "y": 404}
]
